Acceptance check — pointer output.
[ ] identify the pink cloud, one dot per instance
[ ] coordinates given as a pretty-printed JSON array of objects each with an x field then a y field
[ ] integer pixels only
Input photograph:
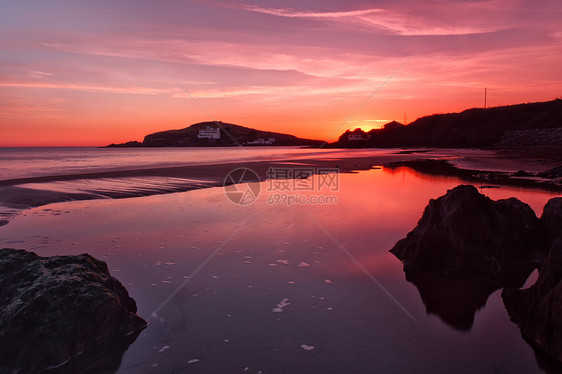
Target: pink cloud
[
  {"x": 381, "y": 19},
  {"x": 86, "y": 88},
  {"x": 301, "y": 65},
  {"x": 288, "y": 12}
]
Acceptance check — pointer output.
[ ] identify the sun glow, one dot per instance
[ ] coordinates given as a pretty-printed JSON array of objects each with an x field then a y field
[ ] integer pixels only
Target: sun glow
[{"x": 304, "y": 69}]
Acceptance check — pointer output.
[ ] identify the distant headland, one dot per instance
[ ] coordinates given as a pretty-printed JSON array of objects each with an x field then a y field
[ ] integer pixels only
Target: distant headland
[
  {"x": 522, "y": 125},
  {"x": 513, "y": 126},
  {"x": 218, "y": 134}
]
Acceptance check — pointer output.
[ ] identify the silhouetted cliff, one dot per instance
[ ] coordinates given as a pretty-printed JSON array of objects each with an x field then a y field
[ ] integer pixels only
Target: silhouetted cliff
[
  {"x": 505, "y": 126},
  {"x": 216, "y": 134}
]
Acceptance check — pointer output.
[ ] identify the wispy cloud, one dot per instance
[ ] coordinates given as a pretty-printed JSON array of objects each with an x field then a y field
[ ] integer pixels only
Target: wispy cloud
[
  {"x": 288, "y": 12},
  {"x": 86, "y": 88},
  {"x": 277, "y": 93},
  {"x": 382, "y": 19},
  {"x": 39, "y": 74},
  {"x": 22, "y": 106},
  {"x": 305, "y": 64}
]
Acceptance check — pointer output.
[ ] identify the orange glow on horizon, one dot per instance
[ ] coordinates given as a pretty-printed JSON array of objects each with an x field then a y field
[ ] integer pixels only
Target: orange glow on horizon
[{"x": 306, "y": 69}]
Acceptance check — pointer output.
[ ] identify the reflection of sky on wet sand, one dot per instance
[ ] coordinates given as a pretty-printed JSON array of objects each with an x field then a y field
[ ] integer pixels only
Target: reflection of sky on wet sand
[{"x": 224, "y": 316}]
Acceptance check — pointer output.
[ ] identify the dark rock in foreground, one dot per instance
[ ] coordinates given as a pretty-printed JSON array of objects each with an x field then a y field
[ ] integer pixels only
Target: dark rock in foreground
[
  {"x": 465, "y": 233},
  {"x": 466, "y": 245},
  {"x": 53, "y": 309},
  {"x": 538, "y": 309}
]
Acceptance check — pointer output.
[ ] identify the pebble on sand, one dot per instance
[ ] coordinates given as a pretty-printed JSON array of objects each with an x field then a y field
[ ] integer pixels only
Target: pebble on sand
[{"x": 281, "y": 305}]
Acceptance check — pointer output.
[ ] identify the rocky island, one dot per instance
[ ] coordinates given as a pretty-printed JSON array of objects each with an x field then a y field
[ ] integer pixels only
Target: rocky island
[
  {"x": 537, "y": 310},
  {"x": 217, "y": 134}
]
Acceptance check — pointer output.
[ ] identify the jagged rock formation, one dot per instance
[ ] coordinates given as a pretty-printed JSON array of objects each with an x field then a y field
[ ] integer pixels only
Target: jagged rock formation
[
  {"x": 465, "y": 233},
  {"x": 466, "y": 245},
  {"x": 53, "y": 309},
  {"x": 537, "y": 310}
]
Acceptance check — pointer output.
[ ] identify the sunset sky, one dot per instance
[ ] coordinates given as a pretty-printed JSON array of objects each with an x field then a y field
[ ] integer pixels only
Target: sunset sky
[{"x": 90, "y": 73}]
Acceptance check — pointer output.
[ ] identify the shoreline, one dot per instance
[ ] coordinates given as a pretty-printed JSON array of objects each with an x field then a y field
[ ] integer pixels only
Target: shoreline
[
  {"x": 28, "y": 192},
  {"x": 24, "y": 193},
  {"x": 529, "y": 160},
  {"x": 269, "y": 253}
]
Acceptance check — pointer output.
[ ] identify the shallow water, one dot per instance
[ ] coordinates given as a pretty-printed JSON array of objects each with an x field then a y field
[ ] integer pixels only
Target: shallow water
[
  {"x": 32, "y": 162},
  {"x": 275, "y": 288}
]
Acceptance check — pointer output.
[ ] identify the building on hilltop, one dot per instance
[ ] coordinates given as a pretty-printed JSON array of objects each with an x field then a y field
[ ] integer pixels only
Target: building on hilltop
[
  {"x": 262, "y": 141},
  {"x": 358, "y": 135},
  {"x": 209, "y": 133}
]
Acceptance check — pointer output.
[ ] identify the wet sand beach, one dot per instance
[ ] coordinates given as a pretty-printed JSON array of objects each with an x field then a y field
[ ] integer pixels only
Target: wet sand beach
[
  {"x": 273, "y": 286},
  {"x": 22, "y": 193}
]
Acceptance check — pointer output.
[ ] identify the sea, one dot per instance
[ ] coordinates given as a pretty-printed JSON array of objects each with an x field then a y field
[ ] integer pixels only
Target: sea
[
  {"x": 298, "y": 279},
  {"x": 34, "y": 162}
]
